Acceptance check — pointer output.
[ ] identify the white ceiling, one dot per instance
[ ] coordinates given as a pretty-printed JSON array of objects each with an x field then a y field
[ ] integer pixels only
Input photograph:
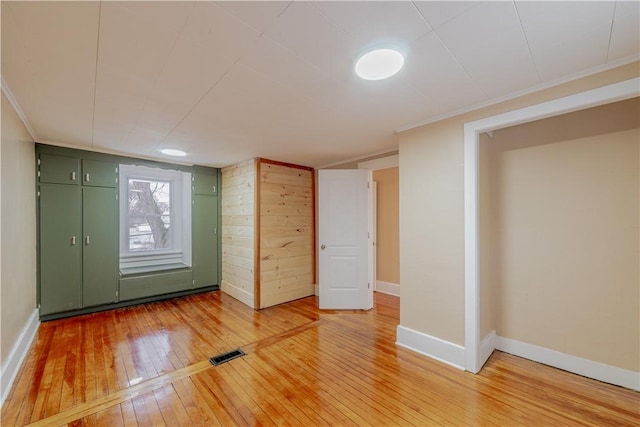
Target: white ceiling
[{"x": 227, "y": 81}]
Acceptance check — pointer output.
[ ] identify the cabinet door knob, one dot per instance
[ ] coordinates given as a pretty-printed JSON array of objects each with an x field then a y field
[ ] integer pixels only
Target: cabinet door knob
[
  {"x": 87, "y": 240},
  {"x": 73, "y": 240},
  {"x": 86, "y": 177},
  {"x": 73, "y": 176}
]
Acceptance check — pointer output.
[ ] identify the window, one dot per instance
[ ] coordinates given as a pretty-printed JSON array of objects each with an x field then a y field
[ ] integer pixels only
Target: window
[
  {"x": 155, "y": 217},
  {"x": 150, "y": 210}
]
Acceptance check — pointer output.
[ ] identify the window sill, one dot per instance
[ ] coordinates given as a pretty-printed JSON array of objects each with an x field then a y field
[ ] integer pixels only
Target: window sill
[{"x": 133, "y": 271}]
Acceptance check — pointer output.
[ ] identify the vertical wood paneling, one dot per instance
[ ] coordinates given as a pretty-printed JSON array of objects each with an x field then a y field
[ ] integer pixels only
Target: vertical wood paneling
[
  {"x": 238, "y": 198},
  {"x": 286, "y": 232}
]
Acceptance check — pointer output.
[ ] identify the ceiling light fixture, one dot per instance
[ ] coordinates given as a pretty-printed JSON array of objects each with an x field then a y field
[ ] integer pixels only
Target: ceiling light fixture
[
  {"x": 173, "y": 152},
  {"x": 379, "y": 64}
]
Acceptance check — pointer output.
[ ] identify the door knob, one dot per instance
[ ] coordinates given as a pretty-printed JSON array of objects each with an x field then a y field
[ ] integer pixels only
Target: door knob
[{"x": 322, "y": 247}]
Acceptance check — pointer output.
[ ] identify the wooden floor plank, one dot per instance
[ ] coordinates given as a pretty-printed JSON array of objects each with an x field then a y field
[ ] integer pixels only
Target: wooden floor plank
[{"x": 147, "y": 365}]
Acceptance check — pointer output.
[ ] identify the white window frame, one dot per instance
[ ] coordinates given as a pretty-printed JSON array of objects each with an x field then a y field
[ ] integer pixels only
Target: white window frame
[{"x": 180, "y": 250}]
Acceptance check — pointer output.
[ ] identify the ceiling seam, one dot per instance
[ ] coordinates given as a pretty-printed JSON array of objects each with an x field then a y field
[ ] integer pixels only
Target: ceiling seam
[
  {"x": 206, "y": 93},
  {"x": 95, "y": 77},
  {"x": 613, "y": 16},
  {"x": 526, "y": 41},
  {"x": 435, "y": 33},
  {"x": 157, "y": 79},
  {"x": 424, "y": 18}
]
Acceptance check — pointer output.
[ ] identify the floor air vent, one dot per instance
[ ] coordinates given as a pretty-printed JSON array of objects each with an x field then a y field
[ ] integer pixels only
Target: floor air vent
[{"x": 225, "y": 357}]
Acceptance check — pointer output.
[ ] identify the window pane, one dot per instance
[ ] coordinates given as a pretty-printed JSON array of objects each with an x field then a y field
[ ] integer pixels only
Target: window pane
[{"x": 149, "y": 215}]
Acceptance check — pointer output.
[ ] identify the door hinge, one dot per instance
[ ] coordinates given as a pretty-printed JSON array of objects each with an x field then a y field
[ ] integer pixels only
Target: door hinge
[
  {"x": 38, "y": 165},
  {"x": 116, "y": 294},
  {"x": 38, "y": 194},
  {"x": 368, "y": 185},
  {"x": 368, "y": 235},
  {"x": 193, "y": 282},
  {"x": 368, "y": 285}
]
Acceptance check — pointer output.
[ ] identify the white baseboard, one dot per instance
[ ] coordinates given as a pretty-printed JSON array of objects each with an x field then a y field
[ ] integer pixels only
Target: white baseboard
[
  {"x": 435, "y": 348},
  {"x": 388, "y": 288},
  {"x": 588, "y": 368},
  {"x": 487, "y": 345},
  {"x": 19, "y": 351}
]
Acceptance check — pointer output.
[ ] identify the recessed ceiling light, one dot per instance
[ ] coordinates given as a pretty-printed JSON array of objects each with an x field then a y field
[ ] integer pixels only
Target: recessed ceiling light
[
  {"x": 379, "y": 64},
  {"x": 173, "y": 152}
]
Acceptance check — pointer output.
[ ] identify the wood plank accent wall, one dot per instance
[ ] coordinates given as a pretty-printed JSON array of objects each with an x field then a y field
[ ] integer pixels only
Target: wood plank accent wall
[
  {"x": 268, "y": 232},
  {"x": 286, "y": 232},
  {"x": 238, "y": 191}
]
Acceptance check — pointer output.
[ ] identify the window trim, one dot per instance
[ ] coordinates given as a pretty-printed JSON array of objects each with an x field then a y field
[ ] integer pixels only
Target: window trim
[{"x": 180, "y": 211}]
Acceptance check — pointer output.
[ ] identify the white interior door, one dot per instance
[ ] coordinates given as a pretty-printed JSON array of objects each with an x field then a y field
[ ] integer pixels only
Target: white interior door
[{"x": 345, "y": 239}]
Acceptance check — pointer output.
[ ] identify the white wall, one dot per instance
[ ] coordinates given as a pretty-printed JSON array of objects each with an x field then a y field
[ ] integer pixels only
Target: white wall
[{"x": 18, "y": 249}]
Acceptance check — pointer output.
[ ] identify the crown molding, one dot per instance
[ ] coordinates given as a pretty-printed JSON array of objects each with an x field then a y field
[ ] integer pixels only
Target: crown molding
[
  {"x": 16, "y": 107},
  {"x": 518, "y": 94},
  {"x": 391, "y": 151}
]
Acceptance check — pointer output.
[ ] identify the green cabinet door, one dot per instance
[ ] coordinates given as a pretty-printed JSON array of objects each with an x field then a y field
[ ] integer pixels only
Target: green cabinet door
[
  {"x": 97, "y": 173},
  {"x": 205, "y": 184},
  {"x": 59, "y": 169},
  {"x": 99, "y": 246},
  {"x": 60, "y": 248},
  {"x": 205, "y": 240}
]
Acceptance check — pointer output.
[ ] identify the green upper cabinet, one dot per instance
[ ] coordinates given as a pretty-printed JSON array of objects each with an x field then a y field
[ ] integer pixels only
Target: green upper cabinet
[
  {"x": 97, "y": 173},
  {"x": 205, "y": 184},
  {"x": 59, "y": 169}
]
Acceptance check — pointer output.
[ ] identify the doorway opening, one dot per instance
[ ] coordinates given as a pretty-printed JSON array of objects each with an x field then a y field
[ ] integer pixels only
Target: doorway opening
[{"x": 477, "y": 348}]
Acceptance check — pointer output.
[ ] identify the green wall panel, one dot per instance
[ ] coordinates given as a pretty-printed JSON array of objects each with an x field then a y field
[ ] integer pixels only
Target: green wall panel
[{"x": 154, "y": 284}]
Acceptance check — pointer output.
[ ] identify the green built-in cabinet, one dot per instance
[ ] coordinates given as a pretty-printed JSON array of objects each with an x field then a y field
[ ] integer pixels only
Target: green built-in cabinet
[
  {"x": 60, "y": 254},
  {"x": 78, "y": 235},
  {"x": 205, "y": 229},
  {"x": 78, "y": 246}
]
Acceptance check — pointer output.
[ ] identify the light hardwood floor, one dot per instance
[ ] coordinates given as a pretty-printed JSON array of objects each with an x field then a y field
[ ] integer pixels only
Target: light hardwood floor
[{"x": 147, "y": 365}]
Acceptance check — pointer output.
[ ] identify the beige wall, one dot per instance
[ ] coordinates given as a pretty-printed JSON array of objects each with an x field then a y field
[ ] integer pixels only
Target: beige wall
[
  {"x": 432, "y": 211},
  {"x": 565, "y": 252},
  {"x": 18, "y": 271},
  {"x": 387, "y": 225}
]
